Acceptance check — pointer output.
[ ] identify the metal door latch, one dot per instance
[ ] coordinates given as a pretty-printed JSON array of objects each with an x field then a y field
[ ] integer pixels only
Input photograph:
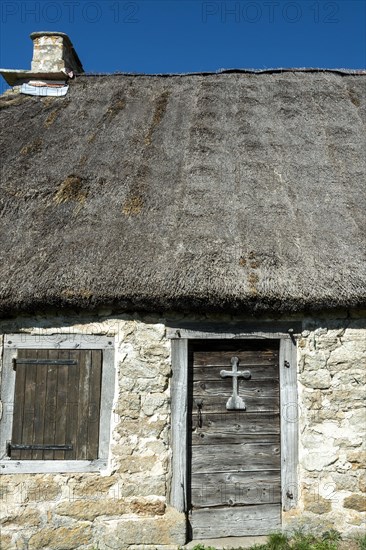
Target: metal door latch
[{"x": 199, "y": 404}]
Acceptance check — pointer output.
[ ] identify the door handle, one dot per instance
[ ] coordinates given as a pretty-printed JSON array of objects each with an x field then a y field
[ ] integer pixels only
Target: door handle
[{"x": 199, "y": 404}]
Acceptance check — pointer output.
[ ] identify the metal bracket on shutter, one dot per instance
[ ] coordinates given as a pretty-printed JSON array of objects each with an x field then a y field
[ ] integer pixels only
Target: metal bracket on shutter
[
  {"x": 43, "y": 362},
  {"x": 37, "y": 447},
  {"x": 292, "y": 335},
  {"x": 286, "y": 364}
]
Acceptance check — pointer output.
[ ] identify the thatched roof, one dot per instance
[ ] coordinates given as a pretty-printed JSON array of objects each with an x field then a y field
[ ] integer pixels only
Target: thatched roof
[{"x": 229, "y": 192}]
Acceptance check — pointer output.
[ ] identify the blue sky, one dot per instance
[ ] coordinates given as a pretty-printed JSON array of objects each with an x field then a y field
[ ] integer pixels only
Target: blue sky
[{"x": 160, "y": 36}]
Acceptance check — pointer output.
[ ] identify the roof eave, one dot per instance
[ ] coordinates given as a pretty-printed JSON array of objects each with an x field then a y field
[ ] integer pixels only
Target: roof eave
[{"x": 14, "y": 77}]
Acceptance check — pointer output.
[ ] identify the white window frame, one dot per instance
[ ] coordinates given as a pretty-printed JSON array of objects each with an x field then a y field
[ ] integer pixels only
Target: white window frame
[{"x": 14, "y": 342}]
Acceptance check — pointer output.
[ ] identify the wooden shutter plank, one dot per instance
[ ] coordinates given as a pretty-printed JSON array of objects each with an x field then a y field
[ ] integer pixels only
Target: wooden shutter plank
[
  {"x": 50, "y": 408},
  {"x": 94, "y": 404},
  {"x": 19, "y": 394},
  {"x": 29, "y": 404},
  {"x": 40, "y": 405},
  {"x": 61, "y": 405},
  {"x": 72, "y": 403},
  {"x": 82, "y": 426}
]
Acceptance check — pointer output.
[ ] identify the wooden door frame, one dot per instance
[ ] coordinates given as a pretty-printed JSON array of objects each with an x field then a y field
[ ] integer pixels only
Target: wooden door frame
[{"x": 180, "y": 338}]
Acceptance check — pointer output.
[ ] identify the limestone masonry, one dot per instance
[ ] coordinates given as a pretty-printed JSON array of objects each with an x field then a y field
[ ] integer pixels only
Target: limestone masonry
[{"x": 127, "y": 505}]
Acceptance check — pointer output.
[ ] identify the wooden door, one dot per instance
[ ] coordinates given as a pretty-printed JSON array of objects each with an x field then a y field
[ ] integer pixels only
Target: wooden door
[{"x": 235, "y": 486}]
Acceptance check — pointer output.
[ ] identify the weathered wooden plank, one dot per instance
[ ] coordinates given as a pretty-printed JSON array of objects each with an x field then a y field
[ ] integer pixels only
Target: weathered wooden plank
[
  {"x": 83, "y": 404},
  {"x": 51, "y": 466},
  {"x": 58, "y": 341},
  {"x": 40, "y": 408},
  {"x": 227, "y": 428},
  {"x": 178, "y": 491},
  {"x": 256, "y": 394},
  {"x": 253, "y": 404},
  {"x": 223, "y": 358},
  {"x": 72, "y": 405},
  {"x": 237, "y": 521},
  {"x": 19, "y": 396},
  {"x": 289, "y": 425},
  {"x": 106, "y": 399},
  {"x": 224, "y": 330},
  {"x": 236, "y": 488},
  {"x": 8, "y": 378},
  {"x": 258, "y": 372},
  {"x": 94, "y": 404},
  {"x": 61, "y": 404},
  {"x": 50, "y": 405},
  {"x": 247, "y": 388},
  {"x": 250, "y": 455},
  {"x": 28, "y": 436}
]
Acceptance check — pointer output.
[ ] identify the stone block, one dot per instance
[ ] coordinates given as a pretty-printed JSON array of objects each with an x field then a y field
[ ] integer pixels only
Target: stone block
[
  {"x": 344, "y": 482},
  {"x": 358, "y": 458},
  {"x": 151, "y": 384},
  {"x": 355, "y": 502},
  {"x": 349, "y": 355},
  {"x": 319, "y": 379},
  {"x": 28, "y": 516},
  {"x": 61, "y": 538},
  {"x": 142, "y": 427},
  {"x": 89, "y": 485},
  {"x": 315, "y": 361},
  {"x": 88, "y": 510},
  {"x": 7, "y": 542},
  {"x": 356, "y": 332},
  {"x": 316, "y": 504},
  {"x": 42, "y": 489},
  {"x": 147, "y": 464},
  {"x": 154, "y": 402},
  {"x": 317, "y": 452},
  {"x": 169, "y": 529},
  {"x": 142, "y": 485},
  {"x": 362, "y": 483}
]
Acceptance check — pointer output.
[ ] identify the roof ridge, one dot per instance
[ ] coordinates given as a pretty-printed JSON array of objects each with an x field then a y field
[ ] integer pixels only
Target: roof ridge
[{"x": 232, "y": 71}]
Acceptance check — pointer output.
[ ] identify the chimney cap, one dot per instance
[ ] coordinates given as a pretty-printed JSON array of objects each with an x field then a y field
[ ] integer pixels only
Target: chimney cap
[{"x": 37, "y": 34}]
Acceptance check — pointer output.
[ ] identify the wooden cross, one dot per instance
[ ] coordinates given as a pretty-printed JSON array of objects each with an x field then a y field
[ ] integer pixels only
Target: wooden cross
[{"x": 235, "y": 401}]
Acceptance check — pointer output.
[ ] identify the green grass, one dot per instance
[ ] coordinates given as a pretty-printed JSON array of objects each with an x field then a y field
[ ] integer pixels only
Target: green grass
[
  {"x": 362, "y": 542},
  {"x": 330, "y": 540}
]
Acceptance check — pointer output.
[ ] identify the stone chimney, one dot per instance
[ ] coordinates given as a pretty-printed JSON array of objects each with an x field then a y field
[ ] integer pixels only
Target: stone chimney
[
  {"x": 54, "y": 59},
  {"x": 54, "y": 52}
]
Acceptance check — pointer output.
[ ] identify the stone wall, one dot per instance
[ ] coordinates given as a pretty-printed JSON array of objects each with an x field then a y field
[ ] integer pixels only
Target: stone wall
[
  {"x": 332, "y": 414},
  {"x": 127, "y": 506}
]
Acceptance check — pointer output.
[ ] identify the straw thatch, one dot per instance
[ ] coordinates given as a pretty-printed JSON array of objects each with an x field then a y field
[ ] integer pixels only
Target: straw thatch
[{"x": 231, "y": 192}]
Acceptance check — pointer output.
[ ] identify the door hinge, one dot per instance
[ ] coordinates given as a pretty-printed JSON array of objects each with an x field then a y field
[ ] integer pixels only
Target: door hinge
[
  {"x": 58, "y": 362},
  {"x": 37, "y": 447}
]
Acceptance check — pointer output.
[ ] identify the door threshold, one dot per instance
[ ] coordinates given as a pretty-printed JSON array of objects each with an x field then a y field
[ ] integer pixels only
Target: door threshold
[{"x": 228, "y": 542}]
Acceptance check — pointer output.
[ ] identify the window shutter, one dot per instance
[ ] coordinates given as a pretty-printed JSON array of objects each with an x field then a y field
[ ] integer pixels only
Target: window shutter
[{"x": 56, "y": 404}]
